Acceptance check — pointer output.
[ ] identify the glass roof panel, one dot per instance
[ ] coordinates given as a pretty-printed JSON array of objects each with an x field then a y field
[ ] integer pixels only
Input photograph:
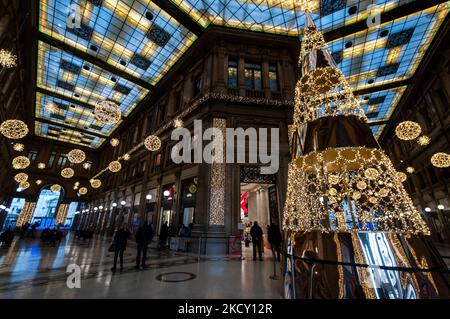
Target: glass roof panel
[
  {"x": 281, "y": 16},
  {"x": 76, "y": 115},
  {"x": 389, "y": 52},
  {"x": 62, "y": 72},
  {"x": 61, "y": 134},
  {"x": 135, "y": 36}
]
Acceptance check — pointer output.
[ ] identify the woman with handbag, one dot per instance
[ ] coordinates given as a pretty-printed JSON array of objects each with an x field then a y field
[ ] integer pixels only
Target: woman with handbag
[{"x": 119, "y": 245}]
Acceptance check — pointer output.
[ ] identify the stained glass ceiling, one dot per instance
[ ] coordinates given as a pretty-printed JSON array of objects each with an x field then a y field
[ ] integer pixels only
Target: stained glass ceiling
[{"x": 122, "y": 48}]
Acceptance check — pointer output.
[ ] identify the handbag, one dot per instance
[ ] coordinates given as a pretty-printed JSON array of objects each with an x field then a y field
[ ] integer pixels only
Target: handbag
[{"x": 112, "y": 248}]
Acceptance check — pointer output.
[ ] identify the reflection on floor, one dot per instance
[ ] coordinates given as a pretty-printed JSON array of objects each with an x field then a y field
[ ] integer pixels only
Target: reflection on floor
[{"x": 29, "y": 269}]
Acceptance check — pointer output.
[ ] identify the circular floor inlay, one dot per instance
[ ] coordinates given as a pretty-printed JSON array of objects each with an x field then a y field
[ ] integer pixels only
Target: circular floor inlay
[{"x": 175, "y": 276}]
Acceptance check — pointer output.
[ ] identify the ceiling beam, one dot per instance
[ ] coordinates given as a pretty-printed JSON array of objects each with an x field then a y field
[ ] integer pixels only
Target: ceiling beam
[
  {"x": 181, "y": 16},
  {"x": 93, "y": 60},
  {"x": 379, "y": 122},
  {"x": 383, "y": 87},
  {"x": 63, "y": 97},
  {"x": 398, "y": 12},
  {"x": 68, "y": 127}
]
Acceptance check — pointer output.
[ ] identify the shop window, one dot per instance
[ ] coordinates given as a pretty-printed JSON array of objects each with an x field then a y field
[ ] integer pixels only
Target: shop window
[
  {"x": 252, "y": 76},
  {"x": 156, "y": 163},
  {"x": 178, "y": 101},
  {"x": 188, "y": 197},
  {"x": 232, "y": 74},
  {"x": 273, "y": 78}
]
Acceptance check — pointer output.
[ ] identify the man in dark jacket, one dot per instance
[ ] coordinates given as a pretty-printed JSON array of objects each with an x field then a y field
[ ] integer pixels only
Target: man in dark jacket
[
  {"x": 144, "y": 236},
  {"x": 120, "y": 244},
  {"x": 274, "y": 237},
  {"x": 256, "y": 233},
  {"x": 163, "y": 234}
]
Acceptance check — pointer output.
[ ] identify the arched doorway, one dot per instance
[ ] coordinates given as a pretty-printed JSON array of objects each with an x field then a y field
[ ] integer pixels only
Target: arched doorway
[{"x": 47, "y": 207}]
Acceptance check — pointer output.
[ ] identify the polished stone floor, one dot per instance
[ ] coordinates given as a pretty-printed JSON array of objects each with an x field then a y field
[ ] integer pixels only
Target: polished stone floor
[{"x": 29, "y": 269}]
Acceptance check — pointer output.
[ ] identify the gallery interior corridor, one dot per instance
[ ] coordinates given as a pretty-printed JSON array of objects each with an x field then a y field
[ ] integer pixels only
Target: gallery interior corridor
[{"x": 29, "y": 269}]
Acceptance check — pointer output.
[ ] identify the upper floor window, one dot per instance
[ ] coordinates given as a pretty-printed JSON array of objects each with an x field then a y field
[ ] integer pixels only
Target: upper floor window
[
  {"x": 178, "y": 101},
  {"x": 32, "y": 155},
  {"x": 197, "y": 84},
  {"x": 51, "y": 159},
  {"x": 252, "y": 75},
  {"x": 62, "y": 160},
  {"x": 232, "y": 73},
  {"x": 273, "y": 78}
]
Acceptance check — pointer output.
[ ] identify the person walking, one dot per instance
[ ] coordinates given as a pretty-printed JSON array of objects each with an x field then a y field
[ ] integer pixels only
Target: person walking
[
  {"x": 256, "y": 233},
  {"x": 163, "y": 234},
  {"x": 275, "y": 239},
  {"x": 120, "y": 245},
  {"x": 144, "y": 236}
]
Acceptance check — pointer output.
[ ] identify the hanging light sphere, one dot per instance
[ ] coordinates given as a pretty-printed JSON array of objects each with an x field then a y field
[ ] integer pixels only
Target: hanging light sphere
[
  {"x": 410, "y": 169},
  {"x": 77, "y": 183},
  {"x": 440, "y": 160},
  {"x": 408, "y": 130},
  {"x": 67, "y": 172},
  {"x": 401, "y": 176},
  {"x": 51, "y": 107},
  {"x": 38, "y": 182},
  {"x": 24, "y": 185},
  {"x": 107, "y": 112},
  {"x": 20, "y": 162},
  {"x": 18, "y": 147},
  {"x": 114, "y": 142},
  {"x": 21, "y": 177},
  {"x": 96, "y": 183},
  {"x": 177, "y": 123},
  {"x": 126, "y": 157},
  {"x": 41, "y": 165},
  {"x": 56, "y": 188},
  {"x": 114, "y": 166},
  {"x": 152, "y": 143},
  {"x": 75, "y": 187},
  {"x": 76, "y": 156},
  {"x": 7, "y": 59},
  {"x": 14, "y": 129},
  {"x": 423, "y": 140},
  {"x": 83, "y": 190}
]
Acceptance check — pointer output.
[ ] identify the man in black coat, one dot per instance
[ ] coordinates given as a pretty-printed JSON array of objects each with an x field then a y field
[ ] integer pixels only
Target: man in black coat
[
  {"x": 275, "y": 239},
  {"x": 120, "y": 244},
  {"x": 257, "y": 234},
  {"x": 144, "y": 236}
]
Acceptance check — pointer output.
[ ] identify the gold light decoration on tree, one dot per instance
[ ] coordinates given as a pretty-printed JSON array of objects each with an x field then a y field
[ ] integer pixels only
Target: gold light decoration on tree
[
  {"x": 56, "y": 188},
  {"x": 76, "y": 156},
  {"x": 83, "y": 191},
  {"x": 107, "y": 112},
  {"x": 423, "y": 140},
  {"x": 177, "y": 123},
  {"x": 41, "y": 165},
  {"x": 114, "y": 142},
  {"x": 408, "y": 130},
  {"x": 402, "y": 176},
  {"x": 67, "y": 172},
  {"x": 410, "y": 169},
  {"x": 18, "y": 147},
  {"x": 440, "y": 160},
  {"x": 126, "y": 157},
  {"x": 95, "y": 183},
  {"x": 152, "y": 143},
  {"x": 7, "y": 59},
  {"x": 20, "y": 162},
  {"x": 115, "y": 166},
  {"x": 344, "y": 186},
  {"x": 38, "y": 182},
  {"x": 21, "y": 177},
  {"x": 24, "y": 185},
  {"x": 51, "y": 107},
  {"x": 14, "y": 129}
]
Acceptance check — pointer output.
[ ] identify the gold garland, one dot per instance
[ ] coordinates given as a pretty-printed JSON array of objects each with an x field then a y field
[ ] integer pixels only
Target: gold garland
[
  {"x": 408, "y": 130},
  {"x": 76, "y": 156},
  {"x": 440, "y": 160},
  {"x": 115, "y": 166},
  {"x": 67, "y": 172},
  {"x": 152, "y": 143},
  {"x": 14, "y": 129},
  {"x": 20, "y": 162}
]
